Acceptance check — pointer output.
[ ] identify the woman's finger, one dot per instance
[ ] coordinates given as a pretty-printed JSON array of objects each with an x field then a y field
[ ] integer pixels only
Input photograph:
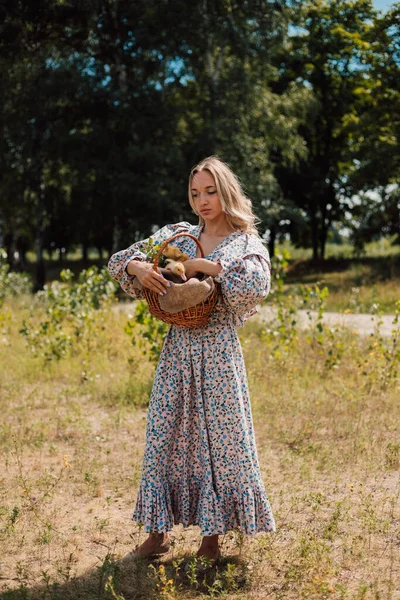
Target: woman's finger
[
  {"x": 155, "y": 284},
  {"x": 156, "y": 287},
  {"x": 159, "y": 280},
  {"x": 162, "y": 280}
]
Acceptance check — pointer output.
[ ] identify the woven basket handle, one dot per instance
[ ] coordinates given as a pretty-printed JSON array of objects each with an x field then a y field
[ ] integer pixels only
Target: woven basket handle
[{"x": 166, "y": 242}]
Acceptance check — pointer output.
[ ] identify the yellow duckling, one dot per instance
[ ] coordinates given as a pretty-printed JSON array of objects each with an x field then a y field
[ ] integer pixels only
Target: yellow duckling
[
  {"x": 174, "y": 271},
  {"x": 174, "y": 253}
]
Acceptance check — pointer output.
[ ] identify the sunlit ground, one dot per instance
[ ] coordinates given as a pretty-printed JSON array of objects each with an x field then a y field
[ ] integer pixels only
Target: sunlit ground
[{"x": 72, "y": 434}]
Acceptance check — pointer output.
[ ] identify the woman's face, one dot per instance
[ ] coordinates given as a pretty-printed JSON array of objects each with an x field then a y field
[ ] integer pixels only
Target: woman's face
[{"x": 205, "y": 195}]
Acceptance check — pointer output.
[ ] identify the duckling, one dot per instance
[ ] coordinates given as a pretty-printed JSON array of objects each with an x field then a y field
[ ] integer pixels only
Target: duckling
[
  {"x": 177, "y": 268},
  {"x": 174, "y": 253},
  {"x": 174, "y": 271}
]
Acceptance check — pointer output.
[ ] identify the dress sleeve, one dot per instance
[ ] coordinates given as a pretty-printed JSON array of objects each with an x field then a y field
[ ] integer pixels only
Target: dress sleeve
[
  {"x": 245, "y": 282},
  {"x": 119, "y": 261}
]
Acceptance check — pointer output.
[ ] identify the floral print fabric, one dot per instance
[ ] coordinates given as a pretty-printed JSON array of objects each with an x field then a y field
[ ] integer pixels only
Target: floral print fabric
[{"x": 200, "y": 464}]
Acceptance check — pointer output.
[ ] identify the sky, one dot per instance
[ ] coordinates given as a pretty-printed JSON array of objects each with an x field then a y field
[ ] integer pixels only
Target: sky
[{"x": 382, "y": 4}]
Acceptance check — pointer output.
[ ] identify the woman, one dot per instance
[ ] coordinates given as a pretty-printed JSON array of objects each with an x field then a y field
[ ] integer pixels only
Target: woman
[{"x": 200, "y": 464}]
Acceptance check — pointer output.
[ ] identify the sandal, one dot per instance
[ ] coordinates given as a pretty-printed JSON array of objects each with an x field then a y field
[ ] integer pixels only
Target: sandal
[{"x": 161, "y": 549}]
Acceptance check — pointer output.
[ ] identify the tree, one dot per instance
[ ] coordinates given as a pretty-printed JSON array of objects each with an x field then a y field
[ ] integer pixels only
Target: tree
[
  {"x": 327, "y": 53},
  {"x": 373, "y": 157}
]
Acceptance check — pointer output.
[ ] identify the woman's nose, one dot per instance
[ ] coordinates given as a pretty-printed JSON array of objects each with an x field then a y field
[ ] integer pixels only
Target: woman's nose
[{"x": 203, "y": 197}]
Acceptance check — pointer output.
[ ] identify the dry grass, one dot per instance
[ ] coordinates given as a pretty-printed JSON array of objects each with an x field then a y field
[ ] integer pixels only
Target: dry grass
[
  {"x": 72, "y": 439},
  {"x": 356, "y": 286}
]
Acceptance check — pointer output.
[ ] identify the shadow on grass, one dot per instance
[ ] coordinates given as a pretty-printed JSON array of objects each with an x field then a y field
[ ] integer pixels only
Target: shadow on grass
[
  {"x": 381, "y": 268},
  {"x": 137, "y": 579}
]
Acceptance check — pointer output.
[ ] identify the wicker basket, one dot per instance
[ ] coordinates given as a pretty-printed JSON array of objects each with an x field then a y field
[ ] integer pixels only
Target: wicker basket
[{"x": 196, "y": 316}]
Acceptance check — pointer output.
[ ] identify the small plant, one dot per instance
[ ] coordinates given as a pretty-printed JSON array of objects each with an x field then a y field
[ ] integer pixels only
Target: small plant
[
  {"x": 109, "y": 587},
  {"x": 108, "y": 571},
  {"x": 282, "y": 336},
  {"x": 152, "y": 331},
  {"x": 279, "y": 264},
  {"x": 11, "y": 284},
  {"x": 150, "y": 249},
  {"x": 164, "y": 583},
  {"x": 392, "y": 455},
  {"x": 380, "y": 365},
  {"x": 71, "y": 313}
]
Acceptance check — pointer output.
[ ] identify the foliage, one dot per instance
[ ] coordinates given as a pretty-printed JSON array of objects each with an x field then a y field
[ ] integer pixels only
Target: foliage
[
  {"x": 150, "y": 334},
  {"x": 64, "y": 315},
  {"x": 376, "y": 214},
  {"x": 104, "y": 115},
  {"x": 283, "y": 337},
  {"x": 374, "y": 156},
  {"x": 381, "y": 364},
  {"x": 11, "y": 284},
  {"x": 150, "y": 249},
  {"x": 282, "y": 334},
  {"x": 338, "y": 50}
]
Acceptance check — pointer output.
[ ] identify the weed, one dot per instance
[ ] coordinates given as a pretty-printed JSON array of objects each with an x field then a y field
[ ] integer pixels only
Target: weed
[
  {"x": 72, "y": 312},
  {"x": 151, "y": 333}
]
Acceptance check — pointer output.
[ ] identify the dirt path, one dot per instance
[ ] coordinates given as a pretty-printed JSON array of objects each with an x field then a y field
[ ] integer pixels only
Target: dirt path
[{"x": 363, "y": 323}]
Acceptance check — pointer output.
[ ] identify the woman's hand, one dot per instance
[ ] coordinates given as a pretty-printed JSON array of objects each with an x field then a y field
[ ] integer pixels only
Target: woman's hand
[
  {"x": 201, "y": 265},
  {"x": 192, "y": 267},
  {"x": 147, "y": 276}
]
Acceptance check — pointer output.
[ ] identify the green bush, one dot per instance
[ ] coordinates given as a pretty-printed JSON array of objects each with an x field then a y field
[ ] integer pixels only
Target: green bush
[
  {"x": 150, "y": 334},
  {"x": 64, "y": 315},
  {"x": 11, "y": 284}
]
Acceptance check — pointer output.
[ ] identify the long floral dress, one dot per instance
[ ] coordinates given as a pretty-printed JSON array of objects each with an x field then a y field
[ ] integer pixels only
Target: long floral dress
[{"x": 200, "y": 464}]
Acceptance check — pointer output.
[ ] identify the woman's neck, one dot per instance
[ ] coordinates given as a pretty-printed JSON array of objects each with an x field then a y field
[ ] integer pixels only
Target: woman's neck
[{"x": 220, "y": 229}]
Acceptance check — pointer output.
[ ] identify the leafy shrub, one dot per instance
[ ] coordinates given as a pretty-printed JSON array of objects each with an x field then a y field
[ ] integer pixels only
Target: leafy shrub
[
  {"x": 64, "y": 314},
  {"x": 151, "y": 333},
  {"x": 11, "y": 284}
]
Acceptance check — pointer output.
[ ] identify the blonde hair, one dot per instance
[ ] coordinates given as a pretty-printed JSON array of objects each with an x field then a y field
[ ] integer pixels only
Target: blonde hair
[{"x": 235, "y": 204}]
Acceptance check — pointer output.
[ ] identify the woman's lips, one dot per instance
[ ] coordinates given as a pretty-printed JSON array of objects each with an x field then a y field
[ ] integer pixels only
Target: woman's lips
[{"x": 207, "y": 210}]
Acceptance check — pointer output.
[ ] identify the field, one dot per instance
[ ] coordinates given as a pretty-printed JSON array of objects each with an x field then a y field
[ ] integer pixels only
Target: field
[{"x": 326, "y": 415}]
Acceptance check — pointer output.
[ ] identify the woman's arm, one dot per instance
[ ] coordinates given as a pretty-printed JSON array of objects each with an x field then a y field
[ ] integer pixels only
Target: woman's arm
[
  {"x": 201, "y": 265},
  {"x": 122, "y": 264},
  {"x": 245, "y": 282}
]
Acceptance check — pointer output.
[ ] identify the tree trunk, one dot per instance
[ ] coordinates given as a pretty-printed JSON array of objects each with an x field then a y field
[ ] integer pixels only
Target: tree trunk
[
  {"x": 116, "y": 236},
  {"x": 314, "y": 232},
  {"x": 40, "y": 271},
  {"x": 326, "y": 218},
  {"x": 326, "y": 223},
  {"x": 271, "y": 242},
  {"x": 22, "y": 256},
  {"x": 214, "y": 65}
]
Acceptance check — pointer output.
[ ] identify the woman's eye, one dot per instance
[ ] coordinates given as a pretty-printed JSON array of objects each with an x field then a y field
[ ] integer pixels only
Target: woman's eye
[
  {"x": 194, "y": 195},
  {"x": 211, "y": 193}
]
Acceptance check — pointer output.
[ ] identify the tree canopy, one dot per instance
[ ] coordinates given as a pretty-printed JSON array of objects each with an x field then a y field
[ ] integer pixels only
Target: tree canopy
[{"x": 107, "y": 105}]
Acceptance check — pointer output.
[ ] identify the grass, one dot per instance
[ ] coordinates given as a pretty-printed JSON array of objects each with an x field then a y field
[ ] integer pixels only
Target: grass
[
  {"x": 72, "y": 436},
  {"x": 354, "y": 287},
  {"x": 382, "y": 248}
]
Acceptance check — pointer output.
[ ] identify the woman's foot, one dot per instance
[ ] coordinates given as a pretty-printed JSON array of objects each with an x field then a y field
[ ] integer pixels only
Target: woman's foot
[
  {"x": 209, "y": 548},
  {"x": 156, "y": 543}
]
